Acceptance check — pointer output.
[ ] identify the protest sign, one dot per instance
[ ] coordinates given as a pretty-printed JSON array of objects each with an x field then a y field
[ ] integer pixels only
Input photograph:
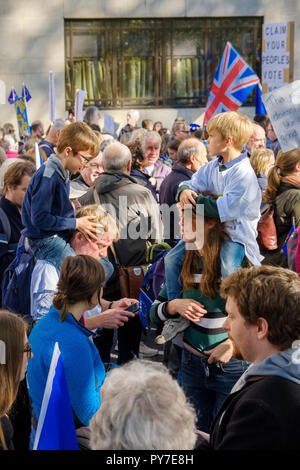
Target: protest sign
[
  {"x": 283, "y": 108},
  {"x": 277, "y": 55},
  {"x": 79, "y": 100}
]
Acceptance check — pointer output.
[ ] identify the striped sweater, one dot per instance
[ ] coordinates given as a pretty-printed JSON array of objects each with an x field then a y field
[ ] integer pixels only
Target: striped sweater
[{"x": 205, "y": 334}]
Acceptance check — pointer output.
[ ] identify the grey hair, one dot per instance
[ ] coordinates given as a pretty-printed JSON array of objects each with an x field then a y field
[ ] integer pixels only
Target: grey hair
[
  {"x": 149, "y": 135},
  {"x": 106, "y": 142},
  {"x": 58, "y": 124},
  {"x": 185, "y": 151},
  {"x": 134, "y": 112},
  {"x": 116, "y": 157},
  {"x": 89, "y": 114},
  {"x": 143, "y": 408}
]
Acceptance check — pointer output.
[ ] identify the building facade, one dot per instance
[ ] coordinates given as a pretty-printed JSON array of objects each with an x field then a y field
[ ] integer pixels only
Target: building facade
[{"x": 154, "y": 55}]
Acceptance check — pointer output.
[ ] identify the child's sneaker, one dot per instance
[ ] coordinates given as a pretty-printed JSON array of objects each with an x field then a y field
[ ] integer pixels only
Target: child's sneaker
[{"x": 171, "y": 329}]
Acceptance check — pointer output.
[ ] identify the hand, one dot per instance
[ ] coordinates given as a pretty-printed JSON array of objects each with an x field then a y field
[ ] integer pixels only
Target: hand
[
  {"x": 186, "y": 198},
  {"x": 109, "y": 319},
  {"x": 221, "y": 353},
  {"x": 203, "y": 434},
  {"x": 123, "y": 303},
  {"x": 87, "y": 227},
  {"x": 187, "y": 308}
]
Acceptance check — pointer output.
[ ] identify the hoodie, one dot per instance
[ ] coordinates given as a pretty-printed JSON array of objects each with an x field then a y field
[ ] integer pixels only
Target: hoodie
[{"x": 284, "y": 364}]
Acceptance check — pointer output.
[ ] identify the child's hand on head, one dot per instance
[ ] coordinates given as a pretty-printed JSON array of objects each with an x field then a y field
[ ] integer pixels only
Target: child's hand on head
[{"x": 87, "y": 226}]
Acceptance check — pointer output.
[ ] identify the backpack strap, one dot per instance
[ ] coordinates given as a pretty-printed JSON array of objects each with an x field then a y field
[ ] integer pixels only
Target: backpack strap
[
  {"x": 5, "y": 224},
  {"x": 12, "y": 247}
]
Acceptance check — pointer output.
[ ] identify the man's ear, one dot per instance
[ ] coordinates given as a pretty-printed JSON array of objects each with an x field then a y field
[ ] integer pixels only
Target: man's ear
[{"x": 262, "y": 327}]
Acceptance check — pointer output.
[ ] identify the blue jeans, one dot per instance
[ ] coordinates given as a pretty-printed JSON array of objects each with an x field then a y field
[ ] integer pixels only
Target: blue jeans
[
  {"x": 232, "y": 255},
  {"x": 207, "y": 385},
  {"x": 53, "y": 249}
]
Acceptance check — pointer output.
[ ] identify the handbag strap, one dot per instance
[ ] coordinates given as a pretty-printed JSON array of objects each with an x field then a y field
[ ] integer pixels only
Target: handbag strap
[{"x": 112, "y": 248}]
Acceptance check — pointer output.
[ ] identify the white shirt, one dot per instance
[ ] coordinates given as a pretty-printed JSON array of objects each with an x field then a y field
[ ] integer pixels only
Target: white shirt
[{"x": 42, "y": 289}]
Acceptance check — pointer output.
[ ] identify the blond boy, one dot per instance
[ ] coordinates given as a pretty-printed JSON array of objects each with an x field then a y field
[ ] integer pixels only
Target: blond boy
[{"x": 231, "y": 177}]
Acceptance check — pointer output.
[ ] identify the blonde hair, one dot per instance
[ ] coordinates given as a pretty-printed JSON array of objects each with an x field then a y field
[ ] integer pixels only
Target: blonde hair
[
  {"x": 80, "y": 137},
  {"x": 143, "y": 408},
  {"x": 284, "y": 166},
  {"x": 12, "y": 334},
  {"x": 260, "y": 160},
  {"x": 232, "y": 124},
  {"x": 106, "y": 223}
]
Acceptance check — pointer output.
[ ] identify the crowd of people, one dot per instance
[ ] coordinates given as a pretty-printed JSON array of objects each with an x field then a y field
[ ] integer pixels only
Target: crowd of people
[{"x": 227, "y": 306}]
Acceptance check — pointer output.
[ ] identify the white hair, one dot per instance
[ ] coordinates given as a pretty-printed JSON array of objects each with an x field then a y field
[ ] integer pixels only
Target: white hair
[
  {"x": 134, "y": 112},
  {"x": 143, "y": 408},
  {"x": 150, "y": 135},
  {"x": 116, "y": 157}
]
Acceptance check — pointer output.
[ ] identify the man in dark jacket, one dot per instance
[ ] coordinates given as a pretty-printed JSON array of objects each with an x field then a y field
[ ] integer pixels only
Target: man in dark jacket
[
  {"x": 191, "y": 156},
  {"x": 263, "y": 410},
  {"x": 16, "y": 180},
  {"x": 133, "y": 206}
]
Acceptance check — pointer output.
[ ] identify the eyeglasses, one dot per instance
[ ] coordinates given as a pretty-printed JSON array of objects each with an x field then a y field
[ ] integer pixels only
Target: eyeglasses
[
  {"x": 27, "y": 350},
  {"x": 85, "y": 159}
]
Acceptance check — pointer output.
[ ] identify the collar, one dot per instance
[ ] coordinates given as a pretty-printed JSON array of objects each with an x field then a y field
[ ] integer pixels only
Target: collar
[
  {"x": 72, "y": 320},
  {"x": 226, "y": 166}
]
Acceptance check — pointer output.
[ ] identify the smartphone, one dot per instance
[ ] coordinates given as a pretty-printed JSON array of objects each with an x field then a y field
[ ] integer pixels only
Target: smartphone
[{"x": 133, "y": 308}]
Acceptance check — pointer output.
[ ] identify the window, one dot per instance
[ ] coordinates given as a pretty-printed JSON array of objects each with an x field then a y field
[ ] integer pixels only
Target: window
[{"x": 154, "y": 62}]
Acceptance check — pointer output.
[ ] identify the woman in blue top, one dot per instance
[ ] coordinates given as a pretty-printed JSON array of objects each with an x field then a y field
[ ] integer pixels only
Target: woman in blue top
[{"x": 78, "y": 289}]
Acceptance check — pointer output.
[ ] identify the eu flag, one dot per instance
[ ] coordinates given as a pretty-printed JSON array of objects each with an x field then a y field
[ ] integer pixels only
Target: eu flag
[
  {"x": 56, "y": 428},
  {"x": 144, "y": 307}
]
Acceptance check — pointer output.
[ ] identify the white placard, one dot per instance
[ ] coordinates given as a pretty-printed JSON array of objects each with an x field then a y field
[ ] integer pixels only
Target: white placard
[
  {"x": 79, "y": 100},
  {"x": 275, "y": 57},
  {"x": 283, "y": 108}
]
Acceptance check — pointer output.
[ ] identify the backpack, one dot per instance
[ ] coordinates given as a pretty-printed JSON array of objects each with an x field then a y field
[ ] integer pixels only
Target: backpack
[
  {"x": 293, "y": 251},
  {"x": 154, "y": 277},
  {"x": 16, "y": 282}
]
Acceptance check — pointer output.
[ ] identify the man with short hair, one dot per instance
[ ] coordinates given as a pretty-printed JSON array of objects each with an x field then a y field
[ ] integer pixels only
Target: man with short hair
[
  {"x": 132, "y": 118},
  {"x": 191, "y": 156},
  {"x": 257, "y": 139},
  {"x": 88, "y": 175},
  {"x": 49, "y": 143},
  {"x": 263, "y": 410},
  {"x": 181, "y": 129},
  {"x": 156, "y": 169},
  {"x": 37, "y": 130},
  {"x": 16, "y": 180},
  {"x": 137, "y": 213}
]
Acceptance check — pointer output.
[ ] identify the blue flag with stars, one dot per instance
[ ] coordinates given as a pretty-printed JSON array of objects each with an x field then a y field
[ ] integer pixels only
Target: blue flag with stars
[{"x": 144, "y": 307}]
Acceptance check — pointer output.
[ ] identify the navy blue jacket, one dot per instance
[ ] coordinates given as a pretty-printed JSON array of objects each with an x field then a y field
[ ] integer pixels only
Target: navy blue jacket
[
  {"x": 144, "y": 177},
  {"x": 47, "y": 209}
]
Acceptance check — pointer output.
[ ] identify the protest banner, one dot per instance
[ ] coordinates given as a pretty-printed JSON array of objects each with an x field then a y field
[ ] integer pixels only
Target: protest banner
[
  {"x": 283, "y": 108},
  {"x": 277, "y": 55},
  {"x": 79, "y": 100}
]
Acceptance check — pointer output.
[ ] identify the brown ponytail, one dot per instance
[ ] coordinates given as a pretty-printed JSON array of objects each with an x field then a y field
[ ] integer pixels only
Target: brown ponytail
[
  {"x": 285, "y": 166},
  {"x": 80, "y": 277}
]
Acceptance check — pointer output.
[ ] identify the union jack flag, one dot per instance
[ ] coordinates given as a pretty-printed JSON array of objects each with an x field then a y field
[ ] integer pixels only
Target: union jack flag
[{"x": 233, "y": 82}]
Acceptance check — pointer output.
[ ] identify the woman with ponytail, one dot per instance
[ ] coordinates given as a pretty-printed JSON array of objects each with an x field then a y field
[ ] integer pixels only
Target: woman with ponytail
[
  {"x": 283, "y": 192},
  {"x": 78, "y": 289},
  {"x": 14, "y": 354},
  {"x": 208, "y": 370}
]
